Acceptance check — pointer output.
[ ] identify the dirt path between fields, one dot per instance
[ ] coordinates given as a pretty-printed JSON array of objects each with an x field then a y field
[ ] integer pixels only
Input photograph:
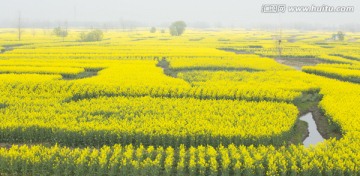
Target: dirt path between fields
[{"x": 297, "y": 63}]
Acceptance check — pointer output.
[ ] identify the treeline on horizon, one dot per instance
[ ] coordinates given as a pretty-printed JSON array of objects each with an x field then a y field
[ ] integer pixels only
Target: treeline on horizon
[{"x": 131, "y": 25}]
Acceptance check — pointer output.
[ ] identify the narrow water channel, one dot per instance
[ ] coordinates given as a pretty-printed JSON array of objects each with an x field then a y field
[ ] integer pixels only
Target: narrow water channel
[{"x": 314, "y": 135}]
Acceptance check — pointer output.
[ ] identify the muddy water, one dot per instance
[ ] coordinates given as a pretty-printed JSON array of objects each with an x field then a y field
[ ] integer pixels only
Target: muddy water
[{"x": 314, "y": 135}]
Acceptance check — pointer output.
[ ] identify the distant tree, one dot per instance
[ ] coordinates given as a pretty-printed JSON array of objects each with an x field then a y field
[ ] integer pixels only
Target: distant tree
[
  {"x": 341, "y": 36},
  {"x": 153, "y": 30},
  {"x": 162, "y": 31},
  {"x": 338, "y": 36},
  {"x": 334, "y": 37},
  {"x": 93, "y": 36},
  {"x": 60, "y": 32},
  {"x": 177, "y": 28},
  {"x": 33, "y": 32},
  {"x": 82, "y": 36}
]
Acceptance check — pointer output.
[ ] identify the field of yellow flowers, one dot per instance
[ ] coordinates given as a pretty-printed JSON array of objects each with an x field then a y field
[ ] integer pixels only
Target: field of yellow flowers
[{"x": 205, "y": 103}]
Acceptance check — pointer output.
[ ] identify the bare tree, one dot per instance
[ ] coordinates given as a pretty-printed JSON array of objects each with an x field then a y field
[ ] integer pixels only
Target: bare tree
[
  {"x": 66, "y": 26},
  {"x": 61, "y": 32},
  {"x": 122, "y": 24},
  {"x": 33, "y": 31},
  {"x": 66, "y": 30},
  {"x": 105, "y": 26},
  {"x": 19, "y": 26}
]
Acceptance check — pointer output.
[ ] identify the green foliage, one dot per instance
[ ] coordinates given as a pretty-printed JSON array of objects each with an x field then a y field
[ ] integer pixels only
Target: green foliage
[
  {"x": 60, "y": 32},
  {"x": 177, "y": 28},
  {"x": 339, "y": 36},
  {"x": 153, "y": 30},
  {"x": 93, "y": 36}
]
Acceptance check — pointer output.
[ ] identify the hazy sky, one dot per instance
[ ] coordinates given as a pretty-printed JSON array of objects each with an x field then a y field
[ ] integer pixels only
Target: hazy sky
[{"x": 226, "y": 12}]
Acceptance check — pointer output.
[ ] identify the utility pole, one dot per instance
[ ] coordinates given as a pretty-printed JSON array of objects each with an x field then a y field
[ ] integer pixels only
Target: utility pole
[
  {"x": 122, "y": 24},
  {"x": 279, "y": 40},
  {"x": 19, "y": 26}
]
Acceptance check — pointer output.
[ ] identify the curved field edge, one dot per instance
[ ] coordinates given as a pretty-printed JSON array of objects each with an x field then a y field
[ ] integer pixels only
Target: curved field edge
[
  {"x": 338, "y": 76},
  {"x": 190, "y": 130},
  {"x": 88, "y": 135}
]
